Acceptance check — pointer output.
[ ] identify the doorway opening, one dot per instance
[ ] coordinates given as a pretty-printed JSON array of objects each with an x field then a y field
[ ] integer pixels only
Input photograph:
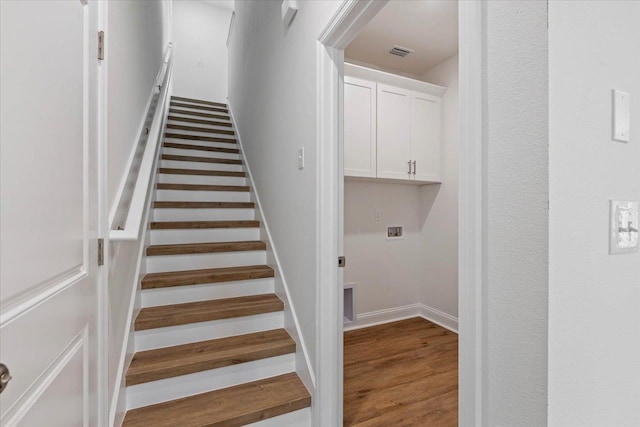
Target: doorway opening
[{"x": 404, "y": 224}]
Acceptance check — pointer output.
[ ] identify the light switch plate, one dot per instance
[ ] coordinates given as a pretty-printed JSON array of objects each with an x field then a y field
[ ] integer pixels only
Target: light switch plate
[
  {"x": 301, "y": 158},
  {"x": 624, "y": 227},
  {"x": 621, "y": 115}
]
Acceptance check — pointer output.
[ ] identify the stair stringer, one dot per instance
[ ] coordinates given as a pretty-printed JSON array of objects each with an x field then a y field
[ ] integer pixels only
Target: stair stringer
[{"x": 291, "y": 323}]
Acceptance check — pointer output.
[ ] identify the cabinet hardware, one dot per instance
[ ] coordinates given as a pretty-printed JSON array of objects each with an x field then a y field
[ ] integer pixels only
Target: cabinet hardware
[
  {"x": 414, "y": 167},
  {"x": 409, "y": 162},
  {"x": 5, "y": 377}
]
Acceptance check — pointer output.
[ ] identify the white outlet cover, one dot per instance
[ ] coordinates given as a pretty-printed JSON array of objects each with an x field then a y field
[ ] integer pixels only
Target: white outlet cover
[
  {"x": 624, "y": 227},
  {"x": 621, "y": 115}
]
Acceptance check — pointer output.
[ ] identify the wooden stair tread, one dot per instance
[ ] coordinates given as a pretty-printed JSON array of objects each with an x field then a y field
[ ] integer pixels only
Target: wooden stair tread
[
  {"x": 199, "y": 114},
  {"x": 179, "y": 171},
  {"x": 201, "y": 159},
  {"x": 185, "y": 359},
  {"x": 205, "y": 248},
  {"x": 198, "y": 101},
  {"x": 170, "y": 225},
  {"x": 231, "y": 407},
  {"x": 203, "y": 311},
  {"x": 199, "y": 129},
  {"x": 199, "y": 138},
  {"x": 198, "y": 107},
  {"x": 200, "y": 148},
  {"x": 207, "y": 275},
  {"x": 199, "y": 121},
  {"x": 203, "y": 205},
  {"x": 202, "y": 187}
]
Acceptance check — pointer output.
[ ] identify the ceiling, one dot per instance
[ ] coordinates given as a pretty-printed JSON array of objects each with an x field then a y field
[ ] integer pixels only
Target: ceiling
[
  {"x": 225, "y": 4},
  {"x": 429, "y": 27}
]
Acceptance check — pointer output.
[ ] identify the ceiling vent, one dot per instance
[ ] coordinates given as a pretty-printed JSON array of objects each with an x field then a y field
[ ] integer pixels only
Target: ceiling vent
[{"x": 400, "y": 51}]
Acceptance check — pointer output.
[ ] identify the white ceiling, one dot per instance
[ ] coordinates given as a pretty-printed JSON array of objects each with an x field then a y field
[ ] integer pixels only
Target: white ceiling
[
  {"x": 430, "y": 27},
  {"x": 225, "y": 4}
]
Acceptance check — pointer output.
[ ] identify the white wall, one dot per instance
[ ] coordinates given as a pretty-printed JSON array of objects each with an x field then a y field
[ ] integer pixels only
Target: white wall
[
  {"x": 594, "y": 298},
  {"x": 387, "y": 273},
  {"x": 515, "y": 224},
  {"x": 138, "y": 33},
  {"x": 272, "y": 92},
  {"x": 439, "y": 229},
  {"x": 200, "y": 34}
]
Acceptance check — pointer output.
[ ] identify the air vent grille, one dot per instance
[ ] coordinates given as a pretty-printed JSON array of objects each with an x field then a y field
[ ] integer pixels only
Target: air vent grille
[{"x": 400, "y": 51}]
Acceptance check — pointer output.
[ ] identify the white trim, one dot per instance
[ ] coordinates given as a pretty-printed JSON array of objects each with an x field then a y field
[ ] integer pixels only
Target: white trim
[
  {"x": 383, "y": 77},
  {"x": 471, "y": 376},
  {"x": 348, "y": 21},
  {"x": 306, "y": 373},
  {"x": 25, "y": 402},
  {"x": 26, "y": 301},
  {"x": 394, "y": 314}
]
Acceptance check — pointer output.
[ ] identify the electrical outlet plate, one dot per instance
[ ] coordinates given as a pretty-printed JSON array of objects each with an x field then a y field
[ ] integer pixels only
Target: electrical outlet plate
[
  {"x": 621, "y": 115},
  {"x": 624, "y": 227}
]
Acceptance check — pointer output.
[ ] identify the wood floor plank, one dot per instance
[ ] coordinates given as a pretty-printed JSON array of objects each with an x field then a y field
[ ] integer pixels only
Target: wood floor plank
[
  {"x": 203, "y": 311},
  {"x": 199, "y": 107},
  {"x": 205, "y": 248},
  {"x": 207, "y": 275},
  {"x": 168, "y": 362},
  {"x": 172, "y": 225},
  {"x": 199, "y": 138},
  {"x": 199, "y": 121},
  {"x": 232, "y": 407},
  {"x": 180, "y": 146},
  {"x": 402, "y": 374},
  {"x": 198, "y": 101},
  {"x": 199, "y": 129},
  {"x": 177, "y": 171},
  {"x": 198, "y": 114},
  {"x": 203, "y": 205},
  {"x": 200, "y": 159}
]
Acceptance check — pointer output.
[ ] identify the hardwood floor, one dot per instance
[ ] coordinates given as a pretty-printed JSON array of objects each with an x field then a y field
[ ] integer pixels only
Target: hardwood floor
[{"x": 401, "y": 374}]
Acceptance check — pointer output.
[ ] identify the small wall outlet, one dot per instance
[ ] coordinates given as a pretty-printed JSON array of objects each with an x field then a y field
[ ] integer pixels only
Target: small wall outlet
[
  {"x": 301, "y": 158},
  {"x": 395, "y": 232},
  {"x": 624, "y": 227},
  {"x": 378, "y": 216}
]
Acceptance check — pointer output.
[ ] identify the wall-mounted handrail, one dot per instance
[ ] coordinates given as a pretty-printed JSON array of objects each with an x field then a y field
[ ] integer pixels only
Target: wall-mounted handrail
[{"x": 134, "y": 218}]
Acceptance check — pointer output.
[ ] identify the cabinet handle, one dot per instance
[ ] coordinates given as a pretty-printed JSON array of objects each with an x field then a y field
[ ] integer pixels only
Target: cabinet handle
[
  {"x": 409, "y": 167},
  {"x": 414, "y": 167}
]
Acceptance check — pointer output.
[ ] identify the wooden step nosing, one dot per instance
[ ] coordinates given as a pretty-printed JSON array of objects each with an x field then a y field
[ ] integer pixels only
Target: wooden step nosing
[
  {"x": 188, "y": 137},
  {"x": 180, "y": 146},
  {"x": 199, "y": 107},
  {"x": 206, "y": 276},
  {"x": 199, "y": 114},
  {"x": 202, "y": 225},
  {"x": 200, "y": 121},
  {"x": 203, "y": 187},
  {"x": 198, "y": 101},
  {"x": 199, "y": 159},
  {"x": 200, "y": 129},
  {"x": 205, "y": 248},
  {"x": 204, "y": 172}
]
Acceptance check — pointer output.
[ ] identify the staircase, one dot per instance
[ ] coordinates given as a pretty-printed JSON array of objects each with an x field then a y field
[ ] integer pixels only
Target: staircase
[{"x": 210, "y": 345}]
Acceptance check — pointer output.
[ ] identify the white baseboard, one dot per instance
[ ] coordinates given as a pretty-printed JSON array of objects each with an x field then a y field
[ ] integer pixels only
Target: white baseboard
[{"x": 394, "y": 314}]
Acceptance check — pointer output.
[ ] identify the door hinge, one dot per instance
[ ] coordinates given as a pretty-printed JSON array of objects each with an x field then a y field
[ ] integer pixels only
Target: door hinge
[
  {"x": 100, "y": 252},
  {"x": 100, "y": 45},
  {"x": 342, "y": 261}
]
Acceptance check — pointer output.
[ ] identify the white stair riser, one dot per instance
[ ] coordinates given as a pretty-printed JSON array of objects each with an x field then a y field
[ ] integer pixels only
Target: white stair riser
[
  {"x": 300, "y": 418},
  {"x": 199, "y": 125},
  {"x": 171, "y": 178},
  {"x": 202, "y": 214},
  {"x": 200, "y": 153},
  {"x": 202, "y": 196},
  {"x": 184, "y": 294},
  {"x": 205, "y": 133},
  {"x": 168, "y": 237},
  {"x": 194, "y": 332},
  {"x": 159, "y": 264},
  {"x": 179, "y": 164},
  {"x": 196, "y": 110},
  {"x": 231, "y": 144},
  {"x": 201, "y": 382}
]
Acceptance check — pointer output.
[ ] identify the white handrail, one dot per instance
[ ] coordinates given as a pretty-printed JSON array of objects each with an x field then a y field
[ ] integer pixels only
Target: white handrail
[{"x": 133, "y": 223}]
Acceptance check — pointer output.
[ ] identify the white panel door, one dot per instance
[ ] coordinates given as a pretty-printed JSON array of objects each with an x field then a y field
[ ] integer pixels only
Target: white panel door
[
  {"x": 426, "y": 119},
  {"x": 394, "y": 132},
  {"x": 359, "y": 127},
  {"x": 49, "y": 213}
]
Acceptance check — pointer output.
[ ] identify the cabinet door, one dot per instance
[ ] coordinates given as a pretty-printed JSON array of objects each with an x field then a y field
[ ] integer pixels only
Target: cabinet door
[
  {"x": 359, "y": 127},
  {"x": 425, "y": 136},
  {"x": 394, "y": 132}
]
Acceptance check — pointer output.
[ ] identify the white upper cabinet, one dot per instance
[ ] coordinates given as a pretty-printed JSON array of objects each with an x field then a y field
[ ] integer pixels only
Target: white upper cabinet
[
  {"x": 426, "y": 113},
  {"x": 359, "y": 127},
  {"x": 394, "y": 132},
  {"x": 391, "y": 127}
]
